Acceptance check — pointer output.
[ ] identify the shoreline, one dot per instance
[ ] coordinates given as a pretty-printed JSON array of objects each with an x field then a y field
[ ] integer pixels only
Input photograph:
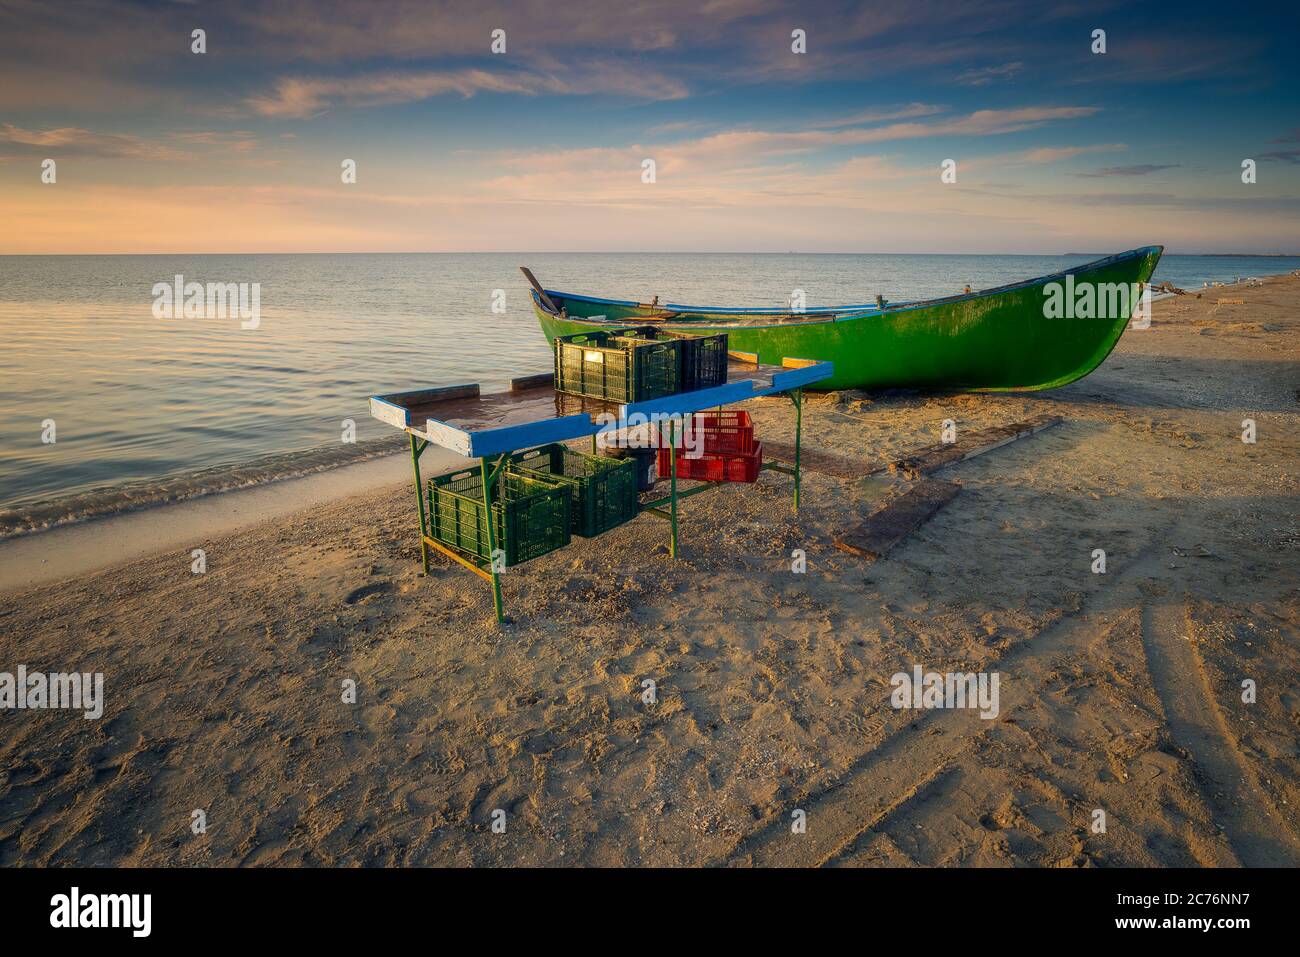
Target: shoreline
[
  {"x": 92, "y": 545},
  {"x": 75, "y": 508}
]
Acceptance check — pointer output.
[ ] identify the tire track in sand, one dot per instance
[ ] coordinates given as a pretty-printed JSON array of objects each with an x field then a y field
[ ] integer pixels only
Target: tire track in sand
[
  {"x": 1258, "y": 834},
  {"x": 884, "y": 780}
]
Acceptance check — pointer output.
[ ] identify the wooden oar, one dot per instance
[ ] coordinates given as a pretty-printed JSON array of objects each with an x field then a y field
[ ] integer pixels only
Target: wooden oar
[{"x": 546, "y": 300}]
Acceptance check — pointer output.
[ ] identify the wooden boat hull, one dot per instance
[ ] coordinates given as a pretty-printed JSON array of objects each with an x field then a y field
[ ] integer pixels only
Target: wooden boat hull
[{"x": 998, "y": 339}]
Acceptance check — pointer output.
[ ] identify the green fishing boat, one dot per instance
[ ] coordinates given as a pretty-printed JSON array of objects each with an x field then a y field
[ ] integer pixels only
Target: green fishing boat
[{"x": 1037, "y": 334}]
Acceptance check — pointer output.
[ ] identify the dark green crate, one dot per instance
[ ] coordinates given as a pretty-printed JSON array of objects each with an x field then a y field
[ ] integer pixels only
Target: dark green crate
[
  {"x": 531, "y": 516},
  {"x": 604, "y": 489},
  {"x": 596, "y": 365},
  {"x": 703, "y": 357}
]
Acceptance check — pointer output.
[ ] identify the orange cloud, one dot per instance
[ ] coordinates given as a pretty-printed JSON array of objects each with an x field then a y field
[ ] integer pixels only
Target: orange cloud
[{"x": 74, "y": 141}]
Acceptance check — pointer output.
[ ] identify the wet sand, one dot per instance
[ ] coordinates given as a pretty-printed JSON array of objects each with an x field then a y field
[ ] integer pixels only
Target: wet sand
[{"x": 1119, "y": 692}]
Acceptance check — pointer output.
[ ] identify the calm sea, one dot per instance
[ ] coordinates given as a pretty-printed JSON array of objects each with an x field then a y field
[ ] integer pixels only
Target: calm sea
[{"x": 147, "y": 409}]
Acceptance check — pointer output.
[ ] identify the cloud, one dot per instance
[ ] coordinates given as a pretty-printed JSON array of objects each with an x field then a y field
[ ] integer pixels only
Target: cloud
[
  {"x": 979, "y": 123},
  {"x": 241, "y": 141},
  {"x": 1042, "y": 155},
  {"x": 71, "y": 141},
  {"x": 983, "y": 76},
  {"x": 1054, "y": 154},
  {"x": 114, "y": 55},
  {"x": 1141, "y": 169},
  {"x": 908, "y": 112},
  {"x": 331, "y": 31},
  {"x": 679, "y": 126},
  {"x": 1283, "y": 156},
  {"x": 1261, "y": 206},
  {"x": 74, "y": 141},
  {"x": 754, "y": 163},
  {"x": 1174, "y": 54},
  {"x": 701, "y": 175},
  {"x": 826, "y": 135},
  {"x": 757, "y": 167},
  {"x": 653, "y": 40},
  {"x": 306, "y": 96}
]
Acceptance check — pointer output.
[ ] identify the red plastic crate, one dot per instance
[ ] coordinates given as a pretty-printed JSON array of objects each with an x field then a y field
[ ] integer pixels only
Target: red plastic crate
[
  {"x": 715, "y": 466},
  {"x": 730, "y": 431}
]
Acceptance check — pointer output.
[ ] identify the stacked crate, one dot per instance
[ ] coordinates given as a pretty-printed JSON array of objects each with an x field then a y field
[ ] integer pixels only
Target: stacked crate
[
  {"x": 601, "y": 365},
  {"x": 542, "y": 497},
  {"x": 703, "y": 357},
  {"x": 529, "y": 517},
  {"x": 603, "y": 489},
  {"x": 729, "y": 454}
]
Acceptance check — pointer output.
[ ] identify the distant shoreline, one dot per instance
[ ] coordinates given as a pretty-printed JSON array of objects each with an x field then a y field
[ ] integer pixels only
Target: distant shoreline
[{"x": 1211, "y": 255}]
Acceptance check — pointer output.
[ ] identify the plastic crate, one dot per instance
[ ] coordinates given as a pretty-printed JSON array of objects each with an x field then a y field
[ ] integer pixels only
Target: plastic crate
[
  {"x": 530, "y": 516},
  {"x": 604, "y": 489},
  {"x": 715, "y": 466},
  {"x": 645, "y": 461},
  {"x": 731, "y": 430},
  {"x": 703, "y": 357},
  {"x": 601, "y": 366}
]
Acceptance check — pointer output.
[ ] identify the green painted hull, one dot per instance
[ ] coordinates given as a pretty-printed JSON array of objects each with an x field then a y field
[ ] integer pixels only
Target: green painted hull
[{"x": 999, "y": 339}]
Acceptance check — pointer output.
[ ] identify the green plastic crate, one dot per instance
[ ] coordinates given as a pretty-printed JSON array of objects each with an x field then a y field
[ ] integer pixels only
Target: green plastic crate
[
  {"x": 530, "y": 516},
  {"x": 604, "y": 489},
  {"x": 596, "y": 365},
  {"x": 703, "y": 362}
]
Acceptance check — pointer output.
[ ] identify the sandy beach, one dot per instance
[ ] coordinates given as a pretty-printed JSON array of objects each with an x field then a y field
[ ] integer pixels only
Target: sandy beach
[{"x": 1120, "y": 692}]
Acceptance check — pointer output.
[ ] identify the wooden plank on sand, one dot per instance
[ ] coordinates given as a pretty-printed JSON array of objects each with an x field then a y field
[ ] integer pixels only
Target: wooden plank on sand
[
  {"x": 828, "y": 463},
  {"x": 968, "y": 445},
  {"x": 901, "y": 515}
]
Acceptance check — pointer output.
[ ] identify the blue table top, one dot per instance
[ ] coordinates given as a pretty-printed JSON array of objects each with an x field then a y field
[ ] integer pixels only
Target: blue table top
[{"x": 471, "y": 424}]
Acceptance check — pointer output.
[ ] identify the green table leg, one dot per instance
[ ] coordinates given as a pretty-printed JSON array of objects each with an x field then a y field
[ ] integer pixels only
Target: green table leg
[
  {"x": 489, "y": 479},
  {"x": 417, "y": 449},
  {"x": 672, "y": 491},
  {"x": 798, "y": 432}
]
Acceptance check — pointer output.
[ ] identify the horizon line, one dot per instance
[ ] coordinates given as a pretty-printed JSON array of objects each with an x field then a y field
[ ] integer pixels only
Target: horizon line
[{"x": 648, "y": 252}]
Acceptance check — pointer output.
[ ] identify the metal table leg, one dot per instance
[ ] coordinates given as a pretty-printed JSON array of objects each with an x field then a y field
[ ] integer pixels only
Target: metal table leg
[
  {"x": 489, "y": 480},
  {"x": 672, "y": 492},
  {"x": 798, "y": 432},
  {"x": 417, "y": 449}
]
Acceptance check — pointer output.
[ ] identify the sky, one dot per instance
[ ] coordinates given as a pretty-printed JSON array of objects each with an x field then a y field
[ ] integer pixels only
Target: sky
[{"x": 543, "y": 147}]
